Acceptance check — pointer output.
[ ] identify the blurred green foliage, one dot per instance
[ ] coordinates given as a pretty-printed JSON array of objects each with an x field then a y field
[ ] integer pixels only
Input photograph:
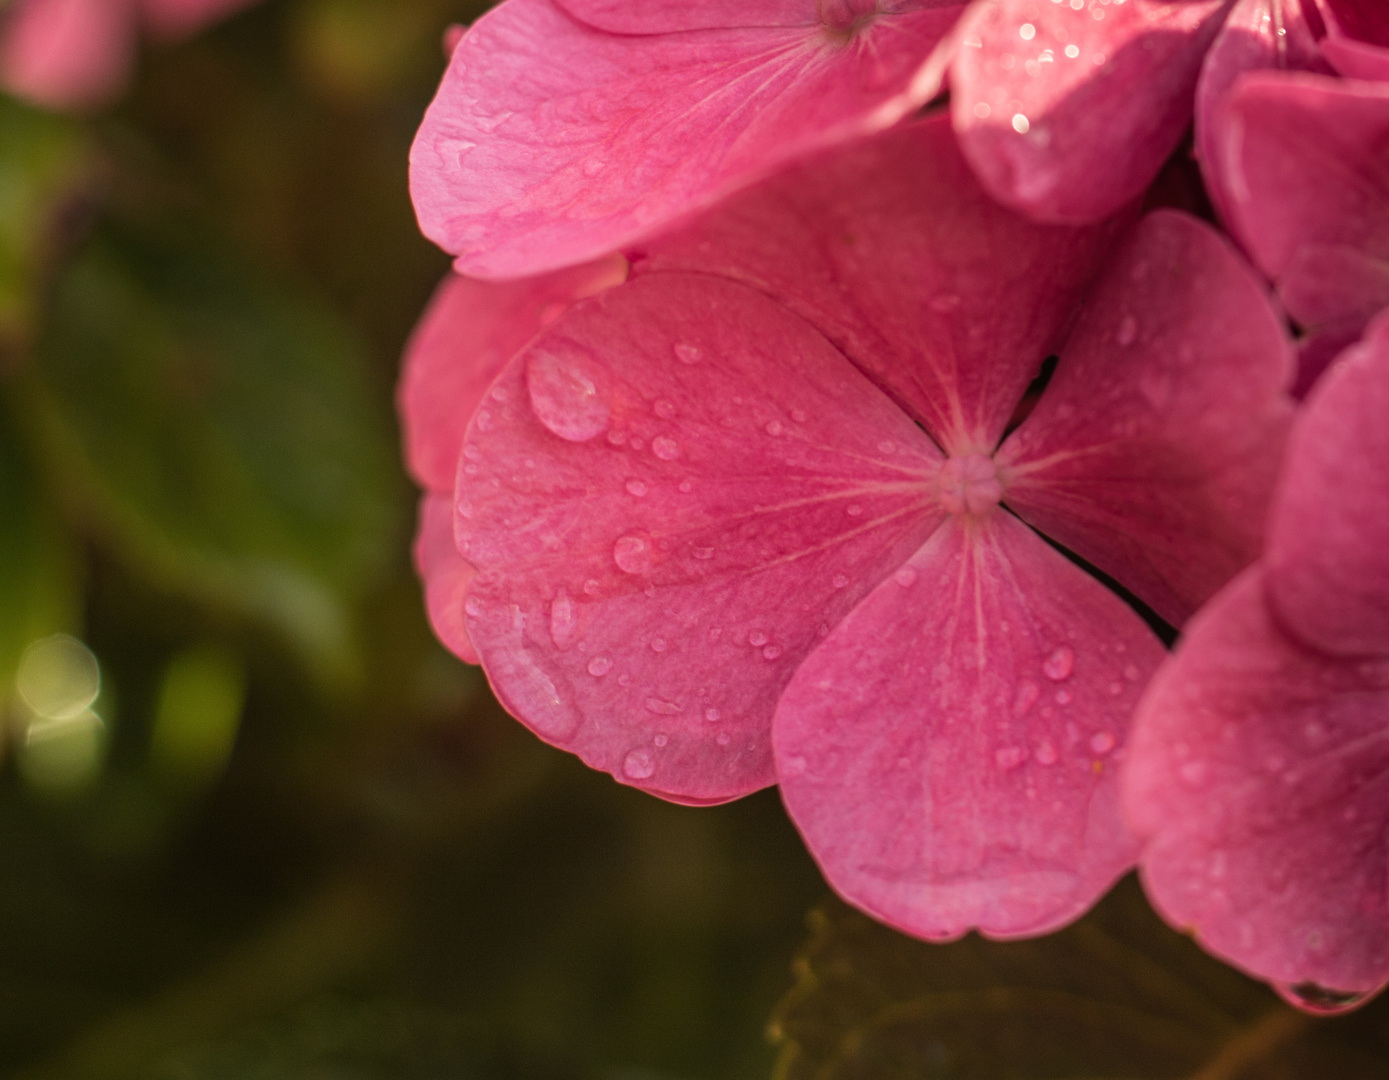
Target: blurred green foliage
[{"x": 277, "y": 832}]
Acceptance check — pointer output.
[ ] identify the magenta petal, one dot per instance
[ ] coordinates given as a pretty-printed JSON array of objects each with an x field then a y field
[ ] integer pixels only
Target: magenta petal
[
  {"x": 1259, "y": 775},
  {"x": 1307, "y": 182},
  {"x": 948, "y": 752},
  {"x": 1357, "y": 38},
  {"x": 467, "y": 333},
  {"x": 445, "y": 573},
  {"x": 66, "y": 53},
  {"x": 670, "y": 496},
  {"x": 1067, "y": 114},
  {"x": 1328, "y": 549},
  {"x": 1154, "y": 451},
  {"x": 550, "y": 142},
  {"x": 895, "y": 253},
  {"x": 671, "y": 16}
]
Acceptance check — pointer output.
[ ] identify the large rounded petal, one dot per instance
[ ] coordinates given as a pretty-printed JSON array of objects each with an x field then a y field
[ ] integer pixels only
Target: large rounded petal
[
  {"x": 1328, "y": 550},
  {"x": 1067, "y": 111},
  {"x": 896, "y": 254},
  {"x": 948, "y": 752},
  {"x": 67, "y": 53},
  {"x": 1308, "y": 190},
  {"x": 467, "y": 333},
  {"x": 445, "y": 574},
  {"x": 551, "y": 142},
  {"x": 1259, "y": 776},
  {"x": 1154, "y": 450},
  {"x": 670, "y": 496}
]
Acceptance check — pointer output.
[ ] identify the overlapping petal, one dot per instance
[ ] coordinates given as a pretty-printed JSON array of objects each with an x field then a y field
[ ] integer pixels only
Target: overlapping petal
[
  {"x": 1154, "y": 450},
  {"x": 1328, "y": 549},
  {"x": 551, "y": 142},
  {"x": 670, "y": 496},
  {"x": 1068, "y": 110},
  {"x": 468, "y": 332},
  {"x": 445, "y": 574},
  {"x": 947, "y": 752},
  {"x": 900, "y": 258},
  {"x": 1308, "y": 190},
  {"x": 67, "y": 53},
  {"x": 1357, "y": 37},
  {"x": 1259, "y": 774}
]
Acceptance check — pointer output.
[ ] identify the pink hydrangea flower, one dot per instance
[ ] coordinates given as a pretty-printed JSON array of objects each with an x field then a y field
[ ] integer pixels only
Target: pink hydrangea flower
[
  {"x": 1259, "y": 767},
  {"x": 565, "y": 129},
  {"x": 763, "y": 512},
  {"x": 78, "y": 53}
]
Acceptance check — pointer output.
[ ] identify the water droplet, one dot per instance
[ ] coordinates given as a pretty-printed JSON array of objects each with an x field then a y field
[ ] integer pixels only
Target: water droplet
[
  {"x": 617, "y": 438},
  {"x": 639, "y": 765},
  {"x": 840, "y": 581},
  {"x": 591, "y": 587},
  {"x": 632, "y": 553},
  {"x": 564, "y": 620},
  {"x": 664, "y": 409},
  {"x": 775, "y": 428},
  {"x": 703, "y": 553},
  {"x": 1046, "y": 754},
  {"x": 1128, "y": 330},
  {"x": 686, "y": 487},
  {"x": 658, "y": 644},
  {"x": 688, "y": 354},
  {"x": 635, "y": 443},
  {"x": 757, "y": 639},
  {"x": 1026, "y": 697},
  {"x": 636, "y": 487},
  {"x": 713, "y": 715},
  {"x": 1059, "y": 665},
  {"x": 1063, "y": 697},
  {"x": 854, "y": 511},
  {"x": 661, "y": 707},
  {"x": 624, "y": 680},
  {"x": 905, "y": 577},
  {"x": 661, "y": 740},
  {"x": 887, "y": 446},
  {"x": 1010, "y": 757},
  {"x": 472, "y": 607},
  {"x": 771, "y": 652},
  {"x": 1021, "y": 124},
  {"x": 1102, "y": 742},
  {"x": 1320, "y": 1000},
  {"x": 723, "y": 738},
  {"x": 1072, "y": 51},
  {"x": 599, "y": 666},
  {"x": 1027, "y": 31},
  {"x": 567, "y": 395},
  {"x": 665, "y": 448}
]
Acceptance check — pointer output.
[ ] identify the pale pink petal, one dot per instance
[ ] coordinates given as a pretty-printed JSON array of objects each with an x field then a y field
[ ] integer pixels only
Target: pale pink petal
[
  {"x": 175, "y": 19},
  {"x": 671, "y": 16},
  {"x": 550, "y": 142},
  {"x": 445, "y": 574},
  {"x": 1154, "y": 451},
  {"x": 67, "y": 53},
  {"x": 1067, "y": 112},
  {"x": 1328, "y": 549},
  {"x": 467, "y": 333},
  {"x": 1308, "y": 189},
  {"x": 949, "y": 752},
  {"x": 897, "y": 255},
  {"x": 669, "y": 496},
  {"x": 1259, "y": 776},
  {"x": 1257, "y": 35},
  {"x": 1357, "y": 37}
]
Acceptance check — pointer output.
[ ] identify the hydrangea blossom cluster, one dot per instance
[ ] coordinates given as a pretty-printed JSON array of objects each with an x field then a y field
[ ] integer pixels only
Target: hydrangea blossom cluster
[
  {"x": 70, "y": 54},
  {"x": 775, "y": 432}
]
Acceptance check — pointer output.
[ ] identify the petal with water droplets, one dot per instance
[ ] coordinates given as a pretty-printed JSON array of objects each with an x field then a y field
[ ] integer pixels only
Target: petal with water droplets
[
  {"x": 947, "y": 769},
  {"x": 1258, "y": 773},
  {"x": 897, "y": 255},
  {"x": 700, "y": 597},
  {"x": 551, "y": 142},
  {"x": 1154, "y": 450},
  {"x": 445, "y": 574}
]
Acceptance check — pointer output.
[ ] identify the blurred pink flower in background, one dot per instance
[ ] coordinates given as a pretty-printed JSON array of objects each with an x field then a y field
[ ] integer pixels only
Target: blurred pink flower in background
[
  {"x": 1259, "y": 769},
  {"x": 70, "y": 54}
]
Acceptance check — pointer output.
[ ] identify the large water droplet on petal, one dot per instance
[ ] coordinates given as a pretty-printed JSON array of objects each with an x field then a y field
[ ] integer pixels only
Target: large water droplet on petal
[
  {"x": 639, "y": 765},
  {"x": 564, "y": 620},
  {"x": 568, "y": 394},
  {"x": 688, "y": 354},
  {"x": 665, "y": 448},
  {"x": 1322, "y": 1001},
  {"x": 632, "y": 553},
  {"x": 599, "y": 666},
  {"x": 1059, "y": 665}
]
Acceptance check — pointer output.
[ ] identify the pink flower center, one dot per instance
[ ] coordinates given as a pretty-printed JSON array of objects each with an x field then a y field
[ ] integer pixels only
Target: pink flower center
[
  {"x": 970, "y": 485},
  {"x": 847, "y": 16}
]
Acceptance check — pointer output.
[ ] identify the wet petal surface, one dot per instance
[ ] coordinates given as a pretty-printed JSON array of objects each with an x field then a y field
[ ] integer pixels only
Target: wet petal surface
[{"x": 445, "y": 574}]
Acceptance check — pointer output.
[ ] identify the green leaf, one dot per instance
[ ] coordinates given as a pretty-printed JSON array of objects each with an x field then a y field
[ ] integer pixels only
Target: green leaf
[
  {"x": 44, "y": 161},
  {"x": 1117, "y": 996},
  {"x": 221, "y": 433}
]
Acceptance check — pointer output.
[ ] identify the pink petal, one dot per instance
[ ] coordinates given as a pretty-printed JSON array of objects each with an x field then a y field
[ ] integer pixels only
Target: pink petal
[
  {"x": 1258, "y": 775},
  {"x": 897, "y": 255},
  {"x": 175, "y": 19},
  {"x": 674, "y": 16},
  {"x": 1259, "y": 35},
  {"x": 948, "y": 752},
  {"x": 1328, "y": 549},
  {"x": 445, "y": 573},
  {"x": 1067, "y": 114},
  {"x": 550, "y": 142},
  {"x": 67, "y": 53},
  {"x": 1308, "y": 190},
  {"x": 670, "y": 495},
  {"x": 467, "y": 333},
  {"x": 1154, "y": 451},
  {"x": 1357, "y": 38}
]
